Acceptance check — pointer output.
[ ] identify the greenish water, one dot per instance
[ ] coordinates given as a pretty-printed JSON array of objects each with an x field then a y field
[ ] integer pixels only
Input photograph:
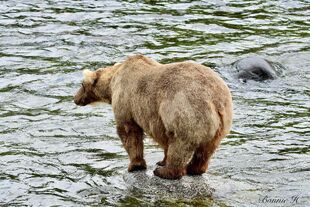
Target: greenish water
[{"x": 53, "y": 153}]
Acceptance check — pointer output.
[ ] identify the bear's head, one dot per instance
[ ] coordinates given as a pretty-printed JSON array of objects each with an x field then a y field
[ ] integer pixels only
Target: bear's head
[{"x": 95, "y": 86}]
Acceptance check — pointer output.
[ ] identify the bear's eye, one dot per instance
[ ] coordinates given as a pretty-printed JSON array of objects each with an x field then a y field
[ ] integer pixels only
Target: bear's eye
[
  {"x": 83, "y": 87},
  {"x": 95, "y": 82}
]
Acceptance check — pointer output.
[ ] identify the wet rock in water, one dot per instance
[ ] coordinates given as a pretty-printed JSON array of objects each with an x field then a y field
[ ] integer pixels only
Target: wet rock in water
[
  {"x": 188, "y": 186},
  {"x": 256, "y": 68}
]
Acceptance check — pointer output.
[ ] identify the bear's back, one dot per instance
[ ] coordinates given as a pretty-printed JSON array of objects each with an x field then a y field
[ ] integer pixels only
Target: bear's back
[
  {"x": 189, "y": 76},
  {"x": 181, "y": 97}
]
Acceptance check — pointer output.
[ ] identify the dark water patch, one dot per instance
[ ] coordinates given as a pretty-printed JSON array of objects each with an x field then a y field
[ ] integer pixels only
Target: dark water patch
[
  {"x": 93, "y": 171},
  {"x": 5, "y": 176},
  {"x": 293, "y": 150}
]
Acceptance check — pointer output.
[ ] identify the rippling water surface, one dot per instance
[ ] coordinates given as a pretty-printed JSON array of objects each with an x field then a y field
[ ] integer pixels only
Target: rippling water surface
[{"x": 53, "y": 153}]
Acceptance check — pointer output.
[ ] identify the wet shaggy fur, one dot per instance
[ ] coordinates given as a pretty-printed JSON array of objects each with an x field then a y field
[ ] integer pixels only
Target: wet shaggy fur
[{"x": 185, "y": 107}]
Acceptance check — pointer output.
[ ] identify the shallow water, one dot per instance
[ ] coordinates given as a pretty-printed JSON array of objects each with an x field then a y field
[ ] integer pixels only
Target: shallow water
[{"x": 53, "y": 153}]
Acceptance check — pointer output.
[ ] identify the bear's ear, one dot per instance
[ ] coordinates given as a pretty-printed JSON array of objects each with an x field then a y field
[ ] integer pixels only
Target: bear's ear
[{"x": 89, "y": 76}]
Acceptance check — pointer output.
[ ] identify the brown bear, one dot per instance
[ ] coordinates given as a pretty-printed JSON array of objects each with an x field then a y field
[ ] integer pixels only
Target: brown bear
[{"x": 185, "y": 107}]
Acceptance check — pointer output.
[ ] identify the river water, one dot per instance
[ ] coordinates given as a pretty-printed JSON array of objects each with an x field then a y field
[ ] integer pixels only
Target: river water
[{"x": 53, "y": 153}]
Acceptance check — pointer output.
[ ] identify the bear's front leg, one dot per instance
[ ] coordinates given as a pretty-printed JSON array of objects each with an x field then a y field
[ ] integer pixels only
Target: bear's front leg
[{"x": 132, "y": 138}]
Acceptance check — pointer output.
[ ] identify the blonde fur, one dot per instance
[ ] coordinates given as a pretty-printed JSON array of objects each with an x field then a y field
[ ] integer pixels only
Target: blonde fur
[
  {"x": 89, "y": 76},
  {"x": 186, "y": 107}
]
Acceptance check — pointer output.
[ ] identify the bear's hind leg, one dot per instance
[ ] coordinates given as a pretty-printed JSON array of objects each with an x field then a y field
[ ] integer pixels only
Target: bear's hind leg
[
  {"x": 200, "y": 160},
  {"x": 178, "y": 155},
  {"x": 163, "y": 162},
  {"x": 132, "y": 138}
]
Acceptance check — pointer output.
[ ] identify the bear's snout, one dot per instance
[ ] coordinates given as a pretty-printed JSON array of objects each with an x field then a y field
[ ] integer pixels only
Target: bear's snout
[
  {"x": 78, "y": 100},
  {"x": 83, "y": 99}
]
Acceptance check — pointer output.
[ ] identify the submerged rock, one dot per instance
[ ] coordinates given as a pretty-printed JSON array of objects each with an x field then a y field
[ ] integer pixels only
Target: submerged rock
[
  {"x": 256, "y": 68},
  {"x": 188, "y": 186}
]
